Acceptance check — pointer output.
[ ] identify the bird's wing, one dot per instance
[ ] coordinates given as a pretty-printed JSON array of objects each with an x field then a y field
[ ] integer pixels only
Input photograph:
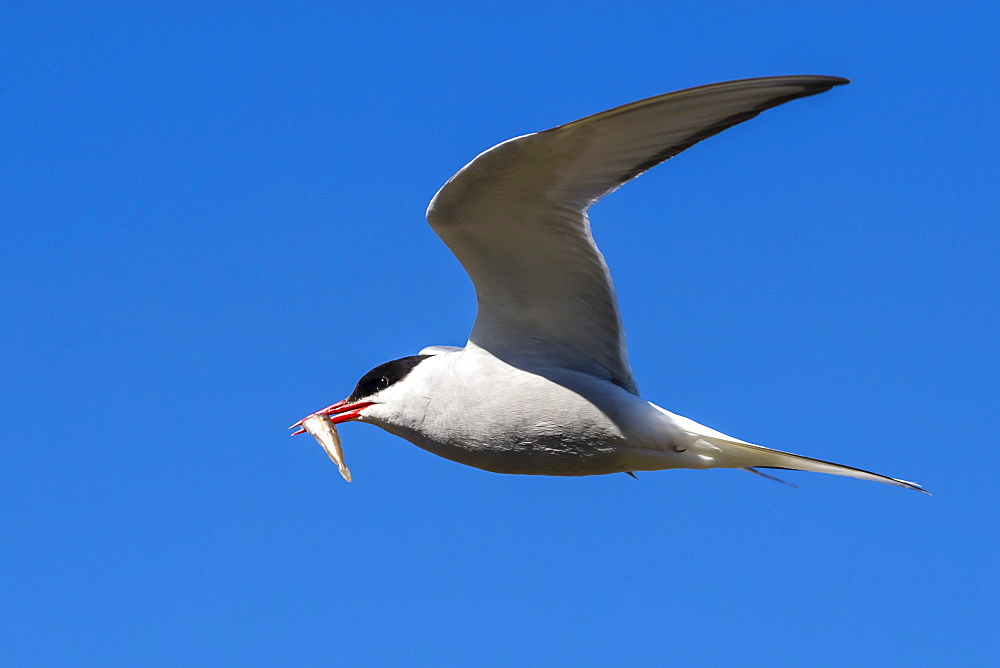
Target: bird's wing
[{"x": 516, "y": 218}]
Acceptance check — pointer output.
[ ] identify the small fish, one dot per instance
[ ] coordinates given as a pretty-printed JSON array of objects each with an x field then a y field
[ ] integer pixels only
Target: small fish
[{"x": 324, "y": 431}]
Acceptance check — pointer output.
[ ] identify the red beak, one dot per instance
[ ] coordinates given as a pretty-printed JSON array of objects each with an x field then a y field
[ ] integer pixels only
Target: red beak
[{"x": 342, "y": 411}]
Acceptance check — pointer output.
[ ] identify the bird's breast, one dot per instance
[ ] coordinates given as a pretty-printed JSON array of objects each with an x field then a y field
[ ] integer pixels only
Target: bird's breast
[{"x": 509, "y": 420}]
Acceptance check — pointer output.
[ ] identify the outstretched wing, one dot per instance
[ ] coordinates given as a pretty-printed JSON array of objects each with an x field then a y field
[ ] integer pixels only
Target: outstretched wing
[{"x": 516, "y": 218}]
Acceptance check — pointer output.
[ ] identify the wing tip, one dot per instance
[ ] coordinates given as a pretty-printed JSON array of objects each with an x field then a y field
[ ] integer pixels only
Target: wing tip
[
  {"x": 824, "y": 83},
  {"x": 814, "y": 79},
  {"x": 912, "y": 485},
  {"x": 831, "y": 80}
]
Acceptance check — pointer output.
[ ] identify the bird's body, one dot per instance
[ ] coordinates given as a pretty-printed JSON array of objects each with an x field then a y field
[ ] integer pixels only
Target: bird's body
[
  {"x": 468, "y": 406},
  {"x": 544, "y": 386},
  {"x": 474, "y": 418}
]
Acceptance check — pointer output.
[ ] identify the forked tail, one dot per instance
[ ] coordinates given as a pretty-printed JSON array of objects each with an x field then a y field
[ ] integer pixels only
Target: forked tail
[
  {"x": 747, "y": 455},
  {"x": 726, "y": 451}
]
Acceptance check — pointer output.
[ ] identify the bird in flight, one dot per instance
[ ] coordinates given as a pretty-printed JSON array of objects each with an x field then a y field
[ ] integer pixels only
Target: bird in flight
[{"x": 543, "y": 386}]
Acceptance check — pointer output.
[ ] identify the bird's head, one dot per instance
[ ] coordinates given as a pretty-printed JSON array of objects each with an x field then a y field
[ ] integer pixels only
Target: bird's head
[{"x": 377, "y": 387}]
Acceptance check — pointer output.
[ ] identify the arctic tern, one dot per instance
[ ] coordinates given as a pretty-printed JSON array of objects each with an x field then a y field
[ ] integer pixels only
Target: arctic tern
[{"x": 543, "y": 386}]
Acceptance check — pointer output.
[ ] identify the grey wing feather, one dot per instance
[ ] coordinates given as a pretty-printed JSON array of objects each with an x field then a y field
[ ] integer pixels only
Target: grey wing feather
[{"x": 516, "y": 218}]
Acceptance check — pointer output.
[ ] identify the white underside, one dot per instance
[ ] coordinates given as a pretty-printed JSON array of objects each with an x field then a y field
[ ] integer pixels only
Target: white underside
[{"x": 535, "y": 419}]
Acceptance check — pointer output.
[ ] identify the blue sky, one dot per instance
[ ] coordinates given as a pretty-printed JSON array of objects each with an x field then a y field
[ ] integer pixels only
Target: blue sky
[{"x": 212, "y": 224}]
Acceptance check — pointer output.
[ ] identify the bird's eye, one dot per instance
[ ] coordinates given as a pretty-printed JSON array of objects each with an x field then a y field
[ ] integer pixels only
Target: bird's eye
[{"x": 382, "y": 383}]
